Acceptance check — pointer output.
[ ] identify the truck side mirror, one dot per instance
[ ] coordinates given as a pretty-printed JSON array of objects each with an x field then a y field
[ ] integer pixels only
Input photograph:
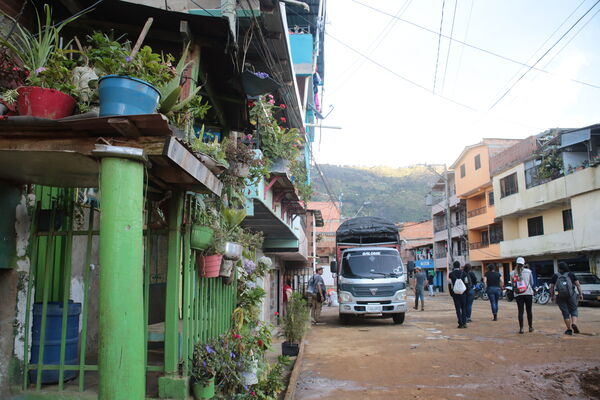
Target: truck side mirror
[{"x": 333, "y": 266}]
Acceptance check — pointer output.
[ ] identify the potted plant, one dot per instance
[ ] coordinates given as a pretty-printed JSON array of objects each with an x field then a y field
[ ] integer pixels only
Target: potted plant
[
  {"x": 205, "y": 363},
  {"x": 43, "y": 61},
  {"x": 211, "y": 154},
  {"x": 295, "y": 323},
  {"x": 202, "y": 233},
  {"x": 231, "y": 218},
  {"x": 130, "y": 79}
]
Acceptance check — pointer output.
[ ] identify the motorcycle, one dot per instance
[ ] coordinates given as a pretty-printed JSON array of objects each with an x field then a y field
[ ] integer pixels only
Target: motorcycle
[
  {"x": 480, "y": 291},
  {"x": 541, "y": 293},
  {"x": 508, "y": 292}
]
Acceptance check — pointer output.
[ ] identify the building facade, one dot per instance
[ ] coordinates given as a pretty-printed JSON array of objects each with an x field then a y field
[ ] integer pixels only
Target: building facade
[
  {"x": 474, "y": 185},
  {"x": 547, "y": 209},
  {"x": 457, "y": 231}
]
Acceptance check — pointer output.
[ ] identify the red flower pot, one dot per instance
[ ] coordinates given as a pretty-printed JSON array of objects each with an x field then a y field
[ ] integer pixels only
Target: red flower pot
[
  {"x": 44, "y": 103},
  {"x": 209, "y": 266}
]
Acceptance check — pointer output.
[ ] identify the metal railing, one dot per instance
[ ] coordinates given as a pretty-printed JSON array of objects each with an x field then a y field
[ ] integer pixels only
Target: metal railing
[
  {"x": 478, "y": 245},
  {"x": 476, "y": 212}
]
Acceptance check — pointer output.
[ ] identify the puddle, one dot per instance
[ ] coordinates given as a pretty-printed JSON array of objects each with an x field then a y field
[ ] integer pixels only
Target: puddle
[{"x": 310, "y": 386}]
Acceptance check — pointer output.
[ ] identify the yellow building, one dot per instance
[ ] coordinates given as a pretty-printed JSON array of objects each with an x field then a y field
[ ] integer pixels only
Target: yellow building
[
  {"x": 551, "y": 215},
  {"x": 474, "y": 184}
]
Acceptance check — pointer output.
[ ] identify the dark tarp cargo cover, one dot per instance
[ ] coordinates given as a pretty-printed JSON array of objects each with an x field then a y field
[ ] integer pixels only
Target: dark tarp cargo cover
[{"x": 367, "y": 230}]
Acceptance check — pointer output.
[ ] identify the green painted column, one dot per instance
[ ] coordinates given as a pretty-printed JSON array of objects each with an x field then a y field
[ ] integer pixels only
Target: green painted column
[{"x": 121, "y": 363}]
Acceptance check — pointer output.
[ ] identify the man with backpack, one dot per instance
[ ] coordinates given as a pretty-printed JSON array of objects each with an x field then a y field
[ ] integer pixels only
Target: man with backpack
[
  {"x": 458, "y": 290},
  {"x": 563, "y": 286},
  {"x": 317, "y": 290}
]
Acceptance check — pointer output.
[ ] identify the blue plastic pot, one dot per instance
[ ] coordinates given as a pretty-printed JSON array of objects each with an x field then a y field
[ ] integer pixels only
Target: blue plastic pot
[{"x": 124, "y": 95}]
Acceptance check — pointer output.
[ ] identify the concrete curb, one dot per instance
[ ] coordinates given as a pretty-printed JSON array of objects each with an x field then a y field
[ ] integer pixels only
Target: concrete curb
[{"x": 291, "y": 388}]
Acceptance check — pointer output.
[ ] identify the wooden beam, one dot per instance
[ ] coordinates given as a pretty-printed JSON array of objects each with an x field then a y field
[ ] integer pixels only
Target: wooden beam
[{"x": 125, "y": 127}]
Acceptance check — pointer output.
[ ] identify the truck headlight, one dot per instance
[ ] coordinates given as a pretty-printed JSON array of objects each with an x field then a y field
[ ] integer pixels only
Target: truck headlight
[
  {"x": 345, "y": 297},
  {"x": 400, "y": 295}
]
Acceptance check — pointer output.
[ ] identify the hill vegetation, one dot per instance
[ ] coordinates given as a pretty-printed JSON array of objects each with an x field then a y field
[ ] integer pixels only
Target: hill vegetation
[{"x": 394, "y": 193}]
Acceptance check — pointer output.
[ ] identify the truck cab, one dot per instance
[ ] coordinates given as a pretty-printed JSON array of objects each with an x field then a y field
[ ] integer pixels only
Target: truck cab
[{"x": 371, "y": 278}]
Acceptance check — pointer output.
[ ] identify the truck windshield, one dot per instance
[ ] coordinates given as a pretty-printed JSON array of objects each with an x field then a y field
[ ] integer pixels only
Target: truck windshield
[{"x": 371, "y": 264}]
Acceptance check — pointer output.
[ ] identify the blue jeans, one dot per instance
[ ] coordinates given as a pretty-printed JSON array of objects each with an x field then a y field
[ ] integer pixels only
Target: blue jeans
[
  {"x": 493, "y": 293},
  {"x": 460, "y": 304},
  {"x": 419, "y": 294},
  {"x": 470, "y": 298}
]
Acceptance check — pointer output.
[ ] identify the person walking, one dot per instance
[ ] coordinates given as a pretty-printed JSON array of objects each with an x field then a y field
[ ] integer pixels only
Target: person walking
[
  {"x": 567, "y": 298},
  {"x": 430, "y": 284},
  {"x": 287, "y": 292},
  {"x": 316, "y": 289},
  {"x": 522, "y": 283},
  {"x": 471, "y": 280},
  {"x": 419, "y": 285},
  {"x": 460, "y": 299},
  {"x": 494, "y": 288}
]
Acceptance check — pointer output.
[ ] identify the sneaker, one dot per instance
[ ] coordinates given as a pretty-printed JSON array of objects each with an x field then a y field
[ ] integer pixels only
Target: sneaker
[
  {"x": 422, "y": 309},
  {"x": 415, "y": 307},
  {"x": 531, "y": 329},
  {"x": 569, "y": 332},
  {"x": 521, "y": 331},
  {"x": 495, "y": 318},
  {"x": 575, "y": 328},
  {"x": 460, "y": 326},
  {"x": 469, "y": 320}
]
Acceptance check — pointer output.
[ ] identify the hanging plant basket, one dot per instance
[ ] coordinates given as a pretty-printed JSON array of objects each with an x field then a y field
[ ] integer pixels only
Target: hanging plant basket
[
  {"x": 40, "y": 102},
  {"x": 232, "y": 251},
  {"x": 226, "y": 268},
  {"x": 202, "y": 237},
  {"x": 209, "y": 266},
  {"x": 204, "y": 391},
  {"x": 125, "y": 95}
]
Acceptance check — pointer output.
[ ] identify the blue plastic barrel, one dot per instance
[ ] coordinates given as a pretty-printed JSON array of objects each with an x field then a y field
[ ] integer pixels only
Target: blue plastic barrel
[
  {"x": 52, "y": 340},
  {"x": 125, "y": 95}
]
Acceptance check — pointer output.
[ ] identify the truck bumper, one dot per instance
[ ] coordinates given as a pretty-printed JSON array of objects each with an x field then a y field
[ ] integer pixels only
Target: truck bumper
[{"x": 365, "y": 309}]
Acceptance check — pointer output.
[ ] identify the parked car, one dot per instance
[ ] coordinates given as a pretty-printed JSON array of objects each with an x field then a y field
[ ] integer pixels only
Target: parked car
[{"x": 590, "y": 286}]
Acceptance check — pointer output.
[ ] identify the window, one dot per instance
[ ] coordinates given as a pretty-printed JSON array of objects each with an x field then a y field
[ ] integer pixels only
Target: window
[
  {"x": 491, "y": 198},
  {"x": 535, "y": 226},
  {"x": 477, "y": 162},
  {"x": 462, "y": 171},
  {"x": 485, "y": 238},
  {"x": 567, "y": 220},
  {"x": 508, "y": 185},
  {"x": 496, "y": 235}
]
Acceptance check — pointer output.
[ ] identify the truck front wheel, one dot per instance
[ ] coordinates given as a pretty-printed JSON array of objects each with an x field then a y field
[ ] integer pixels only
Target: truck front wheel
[{"x": 398, "y": 318}]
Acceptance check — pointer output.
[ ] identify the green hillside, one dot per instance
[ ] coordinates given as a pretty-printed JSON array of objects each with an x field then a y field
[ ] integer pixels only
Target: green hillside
[{"x": 395, "y": 193}]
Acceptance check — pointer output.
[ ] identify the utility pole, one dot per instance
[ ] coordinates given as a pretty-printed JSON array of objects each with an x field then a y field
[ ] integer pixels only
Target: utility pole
[
  {"x": 450, "y": 256},
  {"x": 448, "y": 218}
]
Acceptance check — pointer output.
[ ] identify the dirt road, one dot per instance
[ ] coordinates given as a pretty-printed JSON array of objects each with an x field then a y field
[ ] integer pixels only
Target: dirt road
[{"x": 429, "y": 358}]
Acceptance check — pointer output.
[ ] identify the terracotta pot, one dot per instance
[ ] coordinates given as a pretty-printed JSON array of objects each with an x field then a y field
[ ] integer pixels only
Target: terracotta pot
[
  {"x": 44, "y": 103},
  {"x": 209, "y": 266}
]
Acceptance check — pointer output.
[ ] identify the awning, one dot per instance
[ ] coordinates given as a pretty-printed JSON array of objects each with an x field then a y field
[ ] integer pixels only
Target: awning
[{"x": 579, "y": 136}]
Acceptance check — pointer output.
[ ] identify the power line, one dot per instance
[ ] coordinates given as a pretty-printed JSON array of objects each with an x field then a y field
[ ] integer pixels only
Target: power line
[
  {"x": 572, "y": 37},
  {"x": 543, "y": 44},
  {"x": 449, "y": 45},
  {"x": 398, "y": 75},
  {"x": 462, "y": 49},
  {"x": 472, "y": 46},
  {"x": 373, "y": 46},
  {"x": 543, "y": 55},
  {"x": 439, "y": 45}
]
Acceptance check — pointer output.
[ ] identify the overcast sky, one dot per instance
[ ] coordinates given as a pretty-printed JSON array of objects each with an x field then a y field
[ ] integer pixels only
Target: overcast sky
[{"x": 388, "y": 121}]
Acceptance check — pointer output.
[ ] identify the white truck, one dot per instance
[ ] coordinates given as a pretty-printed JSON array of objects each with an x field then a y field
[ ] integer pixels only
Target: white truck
[{"x": 371, "y": 278}]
